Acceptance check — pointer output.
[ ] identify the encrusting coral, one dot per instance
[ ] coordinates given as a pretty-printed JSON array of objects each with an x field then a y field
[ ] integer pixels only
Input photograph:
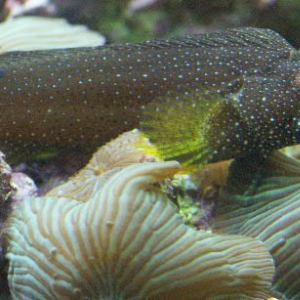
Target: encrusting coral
[
  {"x": 270, "y": 211},
  {"x": 126, "y": 241}
]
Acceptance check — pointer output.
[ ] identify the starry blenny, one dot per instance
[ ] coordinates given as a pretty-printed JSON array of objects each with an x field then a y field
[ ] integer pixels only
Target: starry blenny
[{"x": 83, "y": 97}]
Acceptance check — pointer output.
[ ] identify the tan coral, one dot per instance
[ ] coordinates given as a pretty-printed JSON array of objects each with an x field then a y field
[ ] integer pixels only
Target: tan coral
[
  {"x": 129, "y": 148},
  {"x": 291, "y": 151},
  {"x": 127, "y": 242},
  {"x": 212, "y": 179}
]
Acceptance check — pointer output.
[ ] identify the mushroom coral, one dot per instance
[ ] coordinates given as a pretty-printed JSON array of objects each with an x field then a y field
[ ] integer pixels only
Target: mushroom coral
[
  {"x": 127, "y": 241},
  {"x": 269, "y": 211},
  {"x": 129, "y": 148},
  {"x": 38, "y": 33}
]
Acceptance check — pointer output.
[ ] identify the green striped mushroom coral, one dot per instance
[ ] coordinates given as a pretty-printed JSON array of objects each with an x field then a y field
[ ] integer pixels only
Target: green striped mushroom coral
[
  {"x": 127, "y": 241},
  {"x": 270, "y": 211}
]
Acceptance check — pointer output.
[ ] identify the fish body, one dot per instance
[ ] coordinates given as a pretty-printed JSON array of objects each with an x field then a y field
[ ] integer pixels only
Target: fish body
[{"x": 86, "y": 96}]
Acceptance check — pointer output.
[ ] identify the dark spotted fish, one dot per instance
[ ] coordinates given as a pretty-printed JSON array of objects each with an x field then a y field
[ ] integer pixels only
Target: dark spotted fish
[{"x": 86, "y": 96}]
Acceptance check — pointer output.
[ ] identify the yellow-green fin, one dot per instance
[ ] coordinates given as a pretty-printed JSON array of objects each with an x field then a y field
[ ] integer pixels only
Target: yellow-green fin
[{"x": 186, "y": 127}]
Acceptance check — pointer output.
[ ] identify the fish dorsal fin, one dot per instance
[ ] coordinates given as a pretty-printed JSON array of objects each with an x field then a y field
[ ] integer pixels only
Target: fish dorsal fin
[{"x": 235, "y": 37}]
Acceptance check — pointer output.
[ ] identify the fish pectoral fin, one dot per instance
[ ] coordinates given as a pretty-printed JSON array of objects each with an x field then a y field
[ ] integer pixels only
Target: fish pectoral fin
[{"x": 193, "y": 128}]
